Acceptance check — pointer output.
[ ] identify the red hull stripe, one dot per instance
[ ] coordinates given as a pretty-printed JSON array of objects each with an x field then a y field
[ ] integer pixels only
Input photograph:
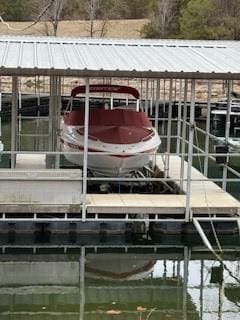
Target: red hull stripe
[{"x": 77, "y": 147}]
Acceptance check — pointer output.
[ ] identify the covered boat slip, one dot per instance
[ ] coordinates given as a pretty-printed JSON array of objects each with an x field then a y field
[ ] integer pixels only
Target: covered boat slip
[{"x": 163, "y": 71}]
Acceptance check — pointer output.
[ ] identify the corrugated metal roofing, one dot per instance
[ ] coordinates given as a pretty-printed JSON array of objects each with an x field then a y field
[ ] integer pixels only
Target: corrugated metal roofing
[{"x": 116, "y": 57}]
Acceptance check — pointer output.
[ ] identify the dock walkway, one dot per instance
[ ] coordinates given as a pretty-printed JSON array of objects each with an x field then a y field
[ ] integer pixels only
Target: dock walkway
[
  {"x": 31, "y": 188},
  {"x": 206, "y": 197}
]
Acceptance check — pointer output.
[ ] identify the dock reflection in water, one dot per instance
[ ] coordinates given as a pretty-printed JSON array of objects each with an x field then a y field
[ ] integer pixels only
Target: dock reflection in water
[{"x": 123, "y": 282}]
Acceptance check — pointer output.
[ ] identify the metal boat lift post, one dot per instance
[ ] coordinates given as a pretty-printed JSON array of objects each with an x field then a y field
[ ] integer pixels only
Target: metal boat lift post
[
  {"x": 190, "y": 152},
  {"x": 184, "y": 128},
  {"x": 227, "y": 130},
  {"x": 208, "y": 123},
  {"x": 54, "y": 118},
  {"x": 14, "y": 120},
  {"x": 85, "y": 151},
  {"x": 169, "y": 130}
]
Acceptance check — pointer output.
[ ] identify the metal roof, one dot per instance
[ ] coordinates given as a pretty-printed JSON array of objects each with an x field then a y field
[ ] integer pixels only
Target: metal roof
[{"x": 117, "y": 58}]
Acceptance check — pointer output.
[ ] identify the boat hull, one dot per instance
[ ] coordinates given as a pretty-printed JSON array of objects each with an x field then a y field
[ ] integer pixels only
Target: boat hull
[{"x": 106, "y": 164}]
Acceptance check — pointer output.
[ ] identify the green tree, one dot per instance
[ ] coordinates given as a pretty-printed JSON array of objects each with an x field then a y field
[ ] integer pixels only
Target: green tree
[
  {"x": 15, "y": 10},
  {"x": 230, "y": 11},
  {"x": 208, "y": 19},
  {"x": 163, "y": 19}
]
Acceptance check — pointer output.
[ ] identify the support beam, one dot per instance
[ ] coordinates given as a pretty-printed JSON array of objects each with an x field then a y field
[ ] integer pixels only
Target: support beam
[
  {"x": 14, "y": 120},
  {"x": 51, "y": 112},
  {"x": 82, "y": 283},
  {"x": 208, "y": 123},
  {"x": 185, "y": 281},
  {"x": 54, "y": 119},
  {"x": 57, "y": 119},
  {"x": 169, "y": 128},
  {"x": 184, "y": 128},
  {"x": 85, "y": 151},
  {"x": 190, "y": 151},
  {"x": 179, "y": 117},
  {"x": 227, "y": 130},
  {"x": 201, "y": 289},
  {"x": 146, "y": 96},
  {"x": 156, "y": 120}
]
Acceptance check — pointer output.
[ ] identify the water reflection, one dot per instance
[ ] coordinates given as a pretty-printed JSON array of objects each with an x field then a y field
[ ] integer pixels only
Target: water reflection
[{"x": 124, "y": 282}]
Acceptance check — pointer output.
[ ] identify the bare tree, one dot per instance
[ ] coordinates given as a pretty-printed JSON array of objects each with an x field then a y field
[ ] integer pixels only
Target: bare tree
[
  {"x": 164, "y": 16},
  {"x": 95, "y": 9},
  {"x": 52, "y": 17},
  {"x": 47, "y": 6},
  {"x": 91, "y": 8},
  {"x": 163, "y": 19}
]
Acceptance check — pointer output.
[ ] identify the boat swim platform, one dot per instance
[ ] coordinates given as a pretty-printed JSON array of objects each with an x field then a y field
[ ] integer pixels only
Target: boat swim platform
[{"x": 33, "y": 189}]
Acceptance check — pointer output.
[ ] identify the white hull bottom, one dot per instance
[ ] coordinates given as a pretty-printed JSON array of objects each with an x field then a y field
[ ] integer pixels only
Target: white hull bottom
[{"x": 107, "y": 164}]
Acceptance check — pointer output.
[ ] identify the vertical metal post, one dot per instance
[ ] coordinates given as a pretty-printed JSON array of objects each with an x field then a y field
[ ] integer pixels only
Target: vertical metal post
[
  {"x": 55, "y": 92},
  {"x": 156, "y": 120},
  {"x": 0, "y": 113},
  {"x": 164, "y": 95},
  {"x": 227, "y": 129},
  {"x": 85, "y": 151},
  {"x": 137, "y": 105},
  {"x": 157, "y": 105},
  {"x": 169, "y": 129},
  {"x": 51, "y": 112},
  {"x": 14, "y": 120},
  {"x": 190, "y": 151},
  {"x": 146, "y": 96},
  {"x": 19, "y": 115},
  {"x": 178, "y": 283},
  {"x": 208, "y": 122},
  {"x": 179, "y": 116},
  {"x": 163, "y": 105},
  {"x": 184, "y": 126},
  {"x": 201, "y": 290},
  {"x": 50, "y": 115},
  {"x": 185, "y": 281},
  {"x": 57, "y": 117},
  {"x": 82, "y": 283},
  {"x": 1, "y": 144},
  {"x": 221, "y": 300},
  {"x": 152, "y": 97}
]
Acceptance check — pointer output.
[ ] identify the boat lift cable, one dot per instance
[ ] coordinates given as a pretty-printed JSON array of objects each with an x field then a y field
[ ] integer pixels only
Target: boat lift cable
[
  {"x": 209, "y": 246},
  {"x": 201, "y": 232}
]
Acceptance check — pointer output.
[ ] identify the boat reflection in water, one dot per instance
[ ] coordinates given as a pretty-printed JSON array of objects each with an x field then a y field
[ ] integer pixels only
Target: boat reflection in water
[{"x": 118, "y": 283}]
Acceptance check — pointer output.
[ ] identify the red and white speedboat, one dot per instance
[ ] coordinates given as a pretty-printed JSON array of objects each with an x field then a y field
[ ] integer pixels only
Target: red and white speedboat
[{"x": 120, "y": 140}]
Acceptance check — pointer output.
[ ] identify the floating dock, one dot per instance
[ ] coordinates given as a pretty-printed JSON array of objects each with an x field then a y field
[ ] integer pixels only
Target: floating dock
[{"x": 59, "y": 191}]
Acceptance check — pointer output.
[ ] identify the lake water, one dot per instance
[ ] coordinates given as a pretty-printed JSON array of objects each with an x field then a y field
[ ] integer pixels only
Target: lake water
[{"x": 123, "y": 281}]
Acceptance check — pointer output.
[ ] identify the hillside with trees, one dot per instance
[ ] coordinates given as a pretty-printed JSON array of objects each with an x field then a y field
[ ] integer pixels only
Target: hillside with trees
[{"x": 183, "y": 19}]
